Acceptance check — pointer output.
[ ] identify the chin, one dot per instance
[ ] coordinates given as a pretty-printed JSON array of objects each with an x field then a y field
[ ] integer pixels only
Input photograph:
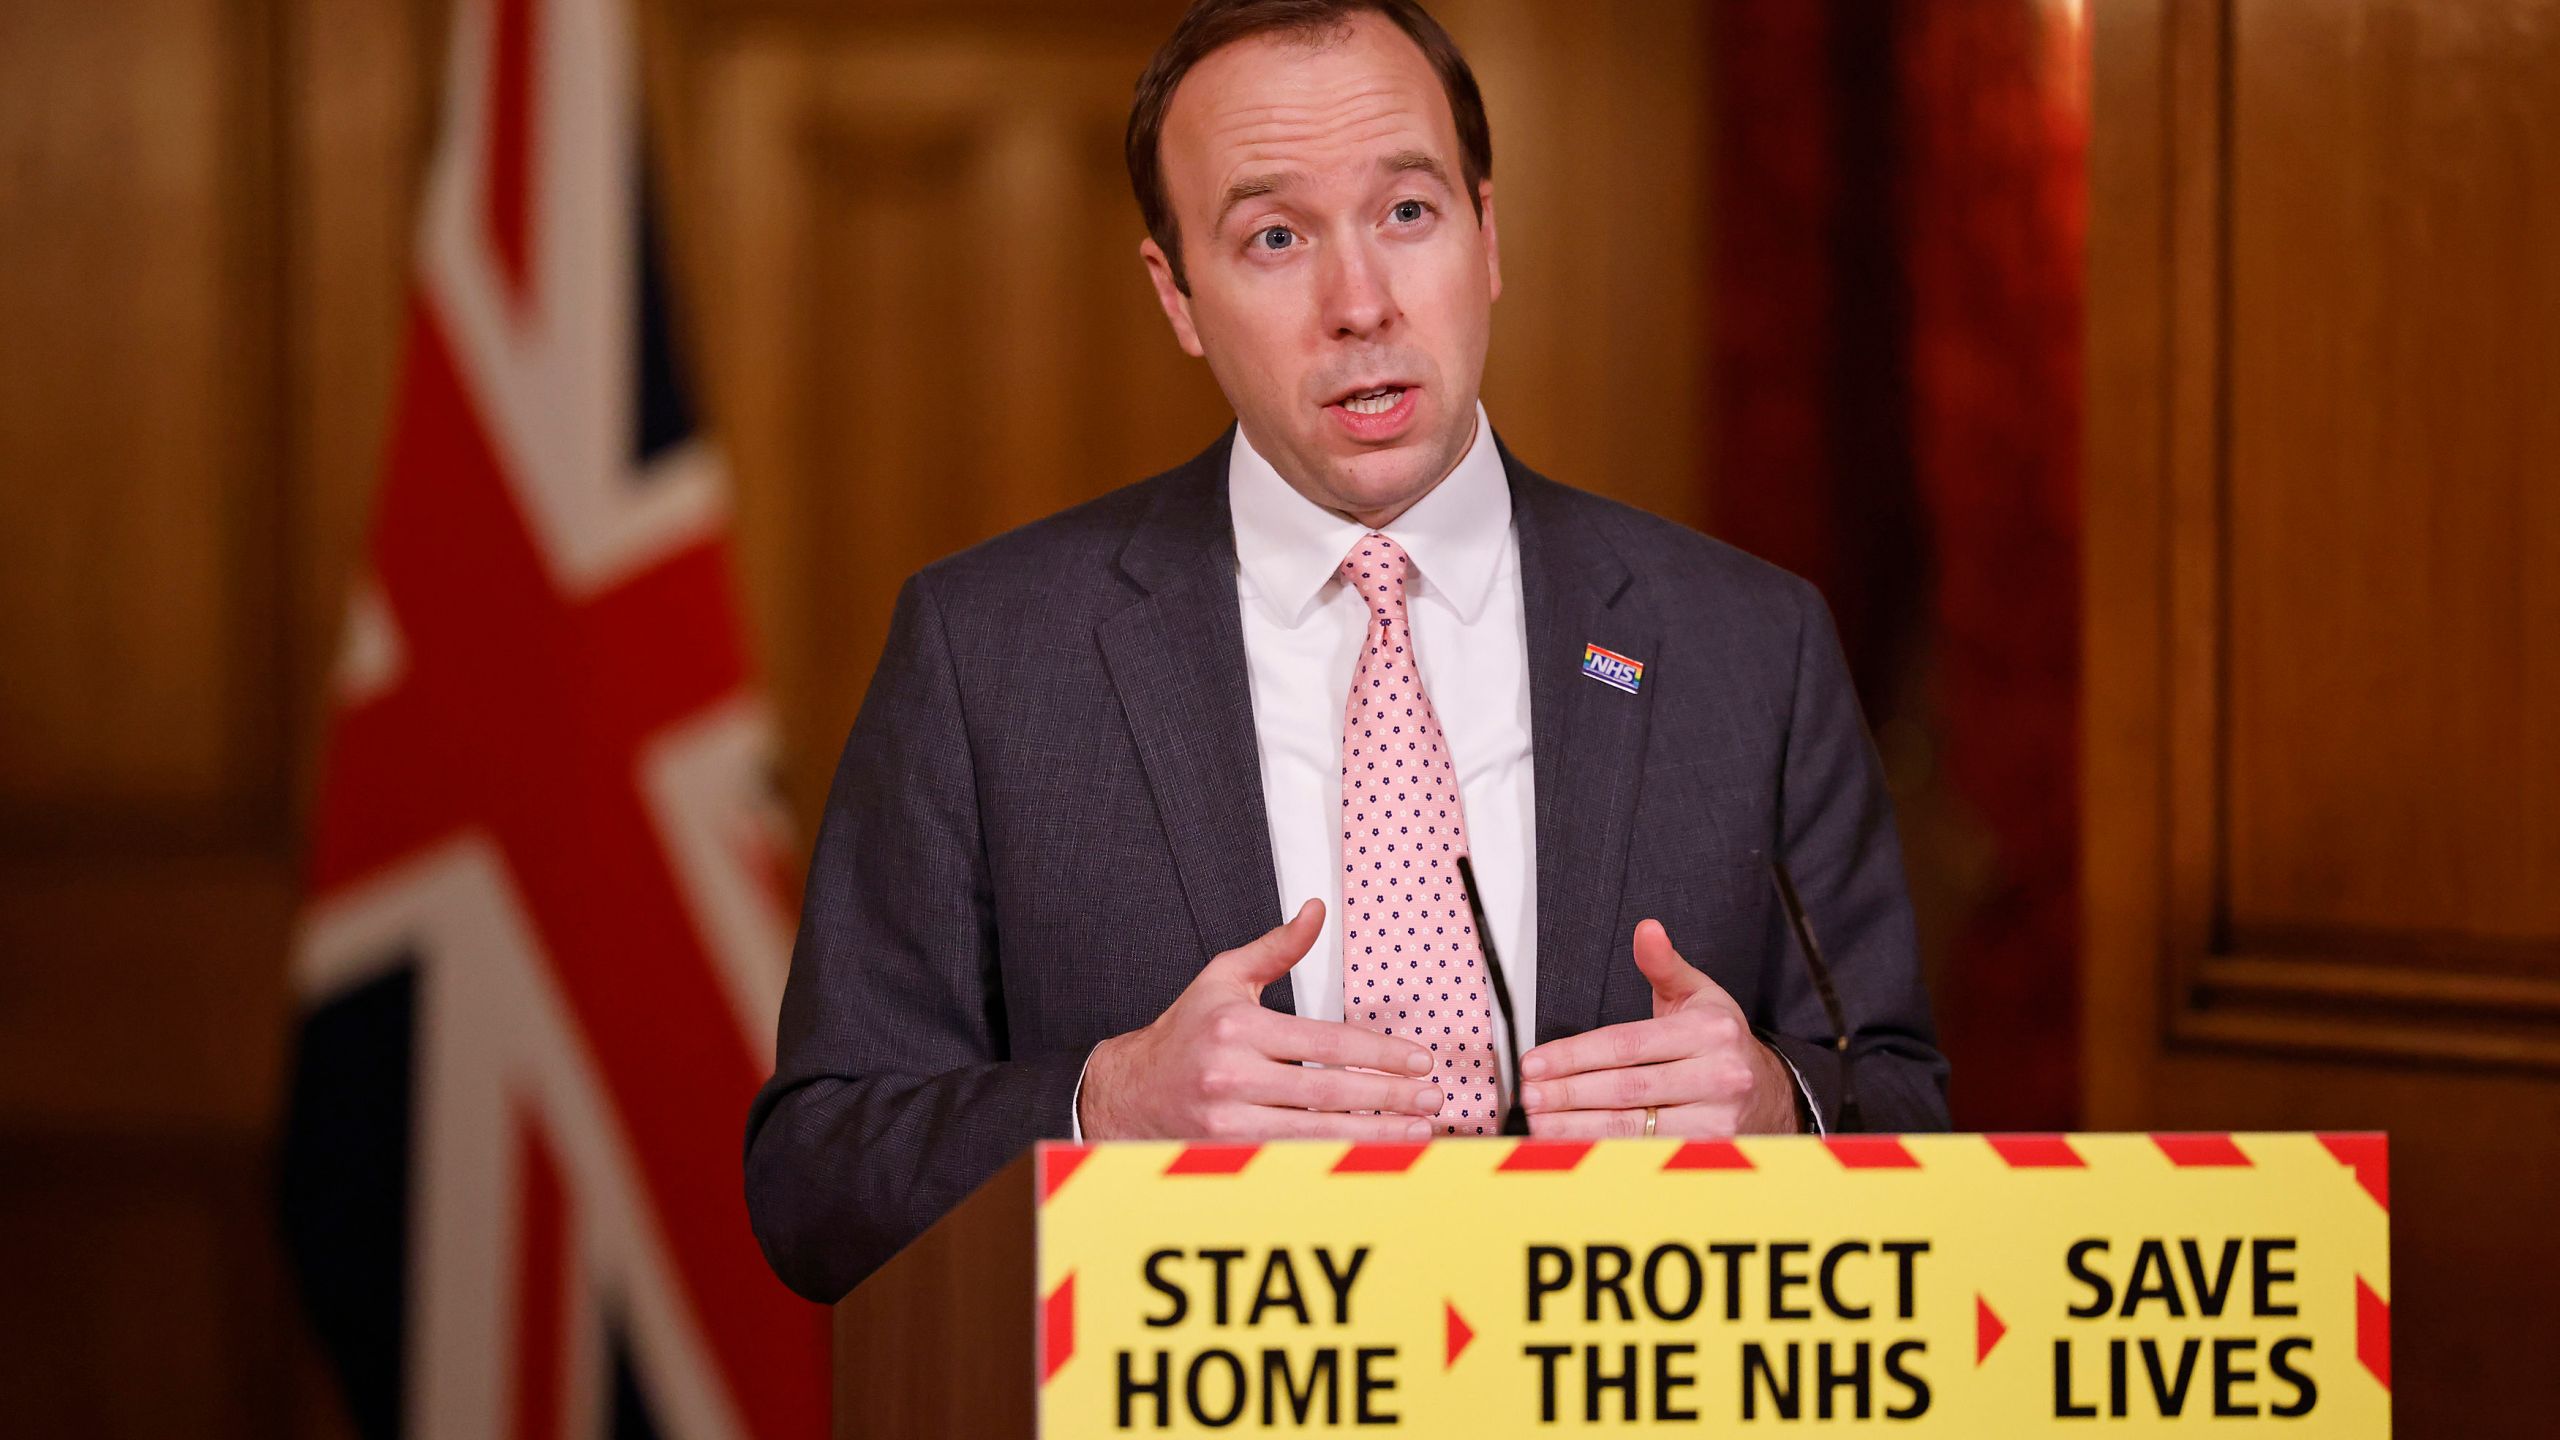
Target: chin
[{"x": 1378, "y": 481}]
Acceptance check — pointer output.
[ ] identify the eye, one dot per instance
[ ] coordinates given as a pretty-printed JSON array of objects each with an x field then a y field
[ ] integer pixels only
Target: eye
[
  {"x": 1262, "y": 238},
  {"x": 1410, "y": 211}
]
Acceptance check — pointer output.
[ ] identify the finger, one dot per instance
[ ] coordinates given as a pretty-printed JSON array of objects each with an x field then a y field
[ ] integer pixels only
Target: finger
[
  {"x": 1586, "y": 1124},
  {"x": 1268, "y": 956},
  {"x": 1299, "y": 1087},
  {"x": 1683, "y": 1122},
  {"x": 1330, "y": 1042},
  {"x": 1673, "y": 979},
  {"x": 1271, "y": 1122},
  {"x": 1693, "y": 1079},
  {"x": 1634, "y": 1042}
]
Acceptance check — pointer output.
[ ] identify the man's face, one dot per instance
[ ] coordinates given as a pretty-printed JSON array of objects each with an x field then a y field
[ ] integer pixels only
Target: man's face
[{"x": 1341, "y": 288}]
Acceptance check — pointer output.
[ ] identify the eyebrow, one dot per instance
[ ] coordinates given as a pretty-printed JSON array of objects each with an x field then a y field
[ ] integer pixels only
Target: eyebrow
[{"x": 1251, "y": 187}]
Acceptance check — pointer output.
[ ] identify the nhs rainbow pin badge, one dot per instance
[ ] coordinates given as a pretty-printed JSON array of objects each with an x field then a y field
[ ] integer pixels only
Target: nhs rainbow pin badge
[{"x": 1611, "y": 668}]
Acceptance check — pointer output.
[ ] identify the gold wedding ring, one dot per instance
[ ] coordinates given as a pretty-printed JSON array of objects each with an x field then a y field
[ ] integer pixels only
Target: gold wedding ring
[{"x": 1650, "y": 1115}]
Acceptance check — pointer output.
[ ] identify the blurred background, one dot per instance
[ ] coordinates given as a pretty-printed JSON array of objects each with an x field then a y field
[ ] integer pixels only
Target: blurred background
[{"x": 2159, "y": 390}]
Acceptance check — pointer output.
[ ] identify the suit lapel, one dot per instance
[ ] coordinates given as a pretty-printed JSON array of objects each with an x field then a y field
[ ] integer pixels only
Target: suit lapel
[
  {"x": 1177, "y": 659},
  {"x": 1587, "y": 741}
]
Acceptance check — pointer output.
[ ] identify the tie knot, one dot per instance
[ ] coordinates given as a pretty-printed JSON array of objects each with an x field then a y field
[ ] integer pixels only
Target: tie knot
[{"x": 1376, "y": 567}]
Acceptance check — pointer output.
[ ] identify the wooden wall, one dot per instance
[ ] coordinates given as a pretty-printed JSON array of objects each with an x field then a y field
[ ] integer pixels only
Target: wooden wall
[
  {"x": 910, "y": 258},
  {"x": 2323, "y": 631}
]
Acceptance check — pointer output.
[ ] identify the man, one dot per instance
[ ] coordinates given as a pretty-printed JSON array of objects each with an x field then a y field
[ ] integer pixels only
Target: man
[{"x": 1293, "y": 681}]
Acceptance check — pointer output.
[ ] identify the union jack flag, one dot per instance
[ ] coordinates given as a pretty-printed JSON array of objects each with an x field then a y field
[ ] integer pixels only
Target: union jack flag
[{"x": 546, "y": 932}]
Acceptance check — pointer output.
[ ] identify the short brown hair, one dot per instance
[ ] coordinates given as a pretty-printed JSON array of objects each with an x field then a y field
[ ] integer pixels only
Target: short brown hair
[{"x": 1213, "y": 24}]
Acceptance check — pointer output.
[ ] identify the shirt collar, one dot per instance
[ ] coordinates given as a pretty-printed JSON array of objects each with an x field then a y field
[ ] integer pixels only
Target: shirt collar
[{"x": 1288, "y": 546}]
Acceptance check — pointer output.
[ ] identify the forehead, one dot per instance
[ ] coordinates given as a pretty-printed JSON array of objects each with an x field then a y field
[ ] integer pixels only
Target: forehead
[{"x": 1281, "y": 102}]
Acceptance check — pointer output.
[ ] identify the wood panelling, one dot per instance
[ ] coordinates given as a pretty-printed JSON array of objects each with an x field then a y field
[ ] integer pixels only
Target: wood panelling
[
  {"x": 1597, "y": 373},
  {"x": 144, "y": 1296},
  {"x": 2323, "y": 631},
  {"x": 199, "y": 357},
  {"x": 2393, "y": 490},
  {"x": 204, "y": 213},
  {"x": 137, "y": 384},
  {"x": 2363, "y": 527},
  {"x": 930, "y": 319}
]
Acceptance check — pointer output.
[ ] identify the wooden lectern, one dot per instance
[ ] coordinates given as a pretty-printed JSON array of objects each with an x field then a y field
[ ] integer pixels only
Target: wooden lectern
[{"x": 938, "y": 1343}]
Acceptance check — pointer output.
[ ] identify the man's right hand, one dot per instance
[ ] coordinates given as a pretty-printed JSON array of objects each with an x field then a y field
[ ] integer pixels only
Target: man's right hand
[{"x": 1218, "y": 1065}]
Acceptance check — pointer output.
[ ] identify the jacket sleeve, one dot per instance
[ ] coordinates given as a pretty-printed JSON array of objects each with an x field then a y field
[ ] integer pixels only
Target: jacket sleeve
[
  {"x": 1837, "y": 838},
  {"x": 893, "y": 1096}
]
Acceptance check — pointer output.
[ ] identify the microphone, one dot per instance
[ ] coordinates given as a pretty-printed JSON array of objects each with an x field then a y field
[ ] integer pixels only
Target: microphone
[
  {"x": 1515, "y": 1121},
  {"x": 1811, "y": 950}
]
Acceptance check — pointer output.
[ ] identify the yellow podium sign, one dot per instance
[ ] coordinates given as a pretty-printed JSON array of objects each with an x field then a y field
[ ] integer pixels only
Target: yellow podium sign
[{"x": 1961, "y": 1285}]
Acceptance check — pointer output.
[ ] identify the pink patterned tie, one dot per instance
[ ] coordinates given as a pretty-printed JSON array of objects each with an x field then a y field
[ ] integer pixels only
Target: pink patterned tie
[{"x": 1411, "y": 965}]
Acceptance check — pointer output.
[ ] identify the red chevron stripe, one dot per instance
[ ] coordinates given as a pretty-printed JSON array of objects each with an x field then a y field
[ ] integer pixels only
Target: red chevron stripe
[
  {"x": 1211, "y": 1159},
  {"x": 2201, "y": 1150},
  {"x": 1057, "y": 1162},
  {"x": 1544, "y": 1155},
  {"x": 1870, "y": 1152},
  {"x": 1058, "y": 1328},
  {"x": 2369, "y": 1155},
  {"x": 2036, "y": 1152},
  {"x": 2373, "y": 1332},
  {"x": 1708, "y": 1155},
  {"x": 1391, "y": 1158}
]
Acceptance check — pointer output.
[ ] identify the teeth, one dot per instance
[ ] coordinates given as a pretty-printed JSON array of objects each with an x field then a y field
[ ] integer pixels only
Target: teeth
[{"x": 1376, "y": 402}]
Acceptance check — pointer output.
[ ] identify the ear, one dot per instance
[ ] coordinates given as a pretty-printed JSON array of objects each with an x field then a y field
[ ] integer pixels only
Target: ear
[
  {"x": 1492, "y": 242},
  {"x": 1177, "y": 306}
]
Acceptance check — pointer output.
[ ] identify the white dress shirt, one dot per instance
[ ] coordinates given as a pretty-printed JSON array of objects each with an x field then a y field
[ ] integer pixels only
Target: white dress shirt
[{"x": 1303, "y": 630}]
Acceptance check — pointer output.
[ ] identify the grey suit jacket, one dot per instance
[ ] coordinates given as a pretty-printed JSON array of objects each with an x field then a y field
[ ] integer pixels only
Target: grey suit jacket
[{"x": 1049, "y": 816}]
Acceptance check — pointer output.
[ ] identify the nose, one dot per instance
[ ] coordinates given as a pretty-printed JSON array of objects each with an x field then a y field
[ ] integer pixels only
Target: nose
[{"x": 1359, "y": 301}]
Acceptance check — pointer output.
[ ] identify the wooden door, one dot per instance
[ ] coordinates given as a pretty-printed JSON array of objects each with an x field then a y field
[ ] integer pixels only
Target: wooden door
[{"x": 2323, "y": 627}]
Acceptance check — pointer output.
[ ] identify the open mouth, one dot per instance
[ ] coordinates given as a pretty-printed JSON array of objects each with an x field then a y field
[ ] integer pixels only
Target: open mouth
[
  {"x": 1376, "y": 412},
  {"x": 1374, "y": 402}
]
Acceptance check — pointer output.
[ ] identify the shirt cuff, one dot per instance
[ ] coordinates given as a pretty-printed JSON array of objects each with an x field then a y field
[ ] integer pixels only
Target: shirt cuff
[
  {"x": 1075, "y": 1100},
  {"x": 1804, "y": 1090}
]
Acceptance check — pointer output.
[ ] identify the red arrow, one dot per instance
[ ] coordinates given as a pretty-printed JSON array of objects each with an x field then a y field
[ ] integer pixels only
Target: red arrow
[
  {"x": 1987, "y": 1329},
  {"x": 1459, "y": 1334}
]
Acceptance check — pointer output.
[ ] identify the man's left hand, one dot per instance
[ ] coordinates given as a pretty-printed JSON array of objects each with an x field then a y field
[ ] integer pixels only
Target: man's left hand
[{"x": 1695, "y": 1062}]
